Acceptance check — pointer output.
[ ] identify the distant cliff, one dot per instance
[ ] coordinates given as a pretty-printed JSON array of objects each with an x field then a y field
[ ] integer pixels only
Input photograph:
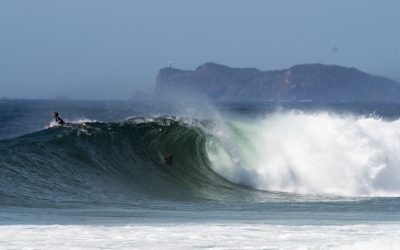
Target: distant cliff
[{"x": 316, "y": 82}]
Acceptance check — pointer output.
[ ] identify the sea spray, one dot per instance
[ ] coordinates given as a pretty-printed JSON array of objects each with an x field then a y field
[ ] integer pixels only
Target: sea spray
[{"x": 319, "y": 153}]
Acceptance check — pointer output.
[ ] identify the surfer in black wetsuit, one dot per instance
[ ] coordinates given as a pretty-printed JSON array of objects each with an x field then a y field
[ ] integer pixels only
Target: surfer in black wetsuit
[
  {"x": 168, "y": 159},
  {"x": 58, "y": 119}
]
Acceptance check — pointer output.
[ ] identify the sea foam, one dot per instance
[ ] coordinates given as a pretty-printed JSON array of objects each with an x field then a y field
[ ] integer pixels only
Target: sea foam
[
  {"x": 200, "y": 236},
  {"x": 319, "y": 153}
]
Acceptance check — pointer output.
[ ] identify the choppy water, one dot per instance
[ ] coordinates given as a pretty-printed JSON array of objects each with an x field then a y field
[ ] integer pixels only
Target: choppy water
[{"x": 272, "y": 176}]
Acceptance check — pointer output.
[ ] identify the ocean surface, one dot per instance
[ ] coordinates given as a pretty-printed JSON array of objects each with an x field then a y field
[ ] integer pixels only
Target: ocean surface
[{"x": 243, "y": 175}]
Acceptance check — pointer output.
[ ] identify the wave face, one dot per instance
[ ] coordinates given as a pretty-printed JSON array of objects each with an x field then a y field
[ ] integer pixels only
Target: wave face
[
  {"x": 110, "y": 161},
  {"x": 318, "y": 153},
  {"x": 290, "y": 152}
]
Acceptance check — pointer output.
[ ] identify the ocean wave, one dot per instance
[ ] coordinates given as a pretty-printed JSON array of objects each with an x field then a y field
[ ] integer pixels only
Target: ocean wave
[
  {"x": 282, "y": 154},
  {"x": 111, "y": 161}
]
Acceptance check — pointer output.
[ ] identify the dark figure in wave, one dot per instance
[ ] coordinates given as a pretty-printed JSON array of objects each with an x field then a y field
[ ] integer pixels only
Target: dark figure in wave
[
  {"x": 168, "y": 159},
  {"x": 58, "y": 119}
]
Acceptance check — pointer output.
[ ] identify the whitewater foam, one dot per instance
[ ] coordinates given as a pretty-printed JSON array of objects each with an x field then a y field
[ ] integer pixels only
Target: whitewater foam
[
  {"x": 204, "y": 236},
  {"x": 76, "y": 121},
  {"x": 304, "y": 153}
]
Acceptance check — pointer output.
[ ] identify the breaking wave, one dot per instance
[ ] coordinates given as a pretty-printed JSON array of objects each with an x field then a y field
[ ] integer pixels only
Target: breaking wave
[
  {"x": 312, "y": 154},
  {"x": 288, "y": 152}
]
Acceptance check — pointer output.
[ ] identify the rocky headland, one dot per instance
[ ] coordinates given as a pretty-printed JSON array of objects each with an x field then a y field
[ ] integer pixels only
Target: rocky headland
[{"x": 306, "y": 82}]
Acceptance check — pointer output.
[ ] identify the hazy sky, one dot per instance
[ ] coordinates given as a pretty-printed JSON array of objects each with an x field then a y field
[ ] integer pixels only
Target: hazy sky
[{"x": 104, "y": 49}]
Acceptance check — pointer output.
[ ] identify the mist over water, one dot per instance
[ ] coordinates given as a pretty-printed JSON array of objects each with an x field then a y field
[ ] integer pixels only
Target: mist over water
[
  {"x": 272, "y": 168},
  {"x": 103, "y": 50},
  {"x": 312, "y": 153}
]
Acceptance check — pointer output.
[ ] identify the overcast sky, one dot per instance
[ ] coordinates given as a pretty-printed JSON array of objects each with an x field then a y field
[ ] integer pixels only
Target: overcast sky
[{"x": 103, "y": 49}]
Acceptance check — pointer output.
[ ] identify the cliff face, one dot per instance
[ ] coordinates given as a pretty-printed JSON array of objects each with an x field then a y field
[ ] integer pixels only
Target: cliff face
[{"x": 315, "y": 82}]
